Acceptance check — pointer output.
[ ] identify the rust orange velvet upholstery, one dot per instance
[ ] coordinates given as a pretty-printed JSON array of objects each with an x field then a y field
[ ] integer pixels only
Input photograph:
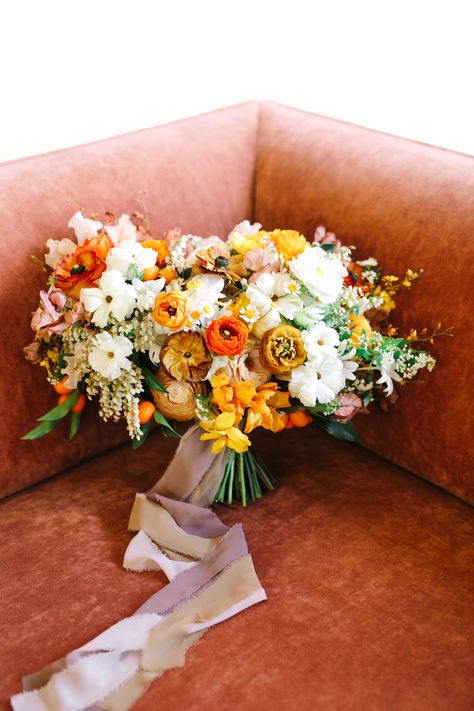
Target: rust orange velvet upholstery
[
  {"x": 196, "y": 174},
  {"x": 368, "y": 572},
  {"x": 411, "y": 205}
]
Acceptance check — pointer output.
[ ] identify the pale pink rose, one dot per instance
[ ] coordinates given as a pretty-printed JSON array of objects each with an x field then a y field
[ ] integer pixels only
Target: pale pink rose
[
  {"x": 321, "y": 236},
  {"x": 350, "y": 405},
  {"x": 249, "y": 367}
]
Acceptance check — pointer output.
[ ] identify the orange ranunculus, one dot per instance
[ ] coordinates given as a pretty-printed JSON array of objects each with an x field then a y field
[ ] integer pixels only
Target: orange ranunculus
[
  {"x": 171, "y": 309},
  {"x": 161, "y": 248},
  {"x": 227, "y": 336},
  {"x": 288, "y": 243},
  {"x": 262, "y": 411},
  {"x": 100, "y": 245},
  {"x": 232, "y": 396},
  {"x": 79, "y": 270}
]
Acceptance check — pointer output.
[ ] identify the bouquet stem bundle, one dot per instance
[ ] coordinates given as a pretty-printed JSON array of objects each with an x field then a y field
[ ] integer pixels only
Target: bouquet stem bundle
[{"x": 245, "y": 479}]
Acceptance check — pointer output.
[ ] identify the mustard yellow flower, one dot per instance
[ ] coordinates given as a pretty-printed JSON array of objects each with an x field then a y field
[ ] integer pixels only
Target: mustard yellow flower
[
  {"x": 244, "y": 243},
  {"x": 224, "y": 434}
]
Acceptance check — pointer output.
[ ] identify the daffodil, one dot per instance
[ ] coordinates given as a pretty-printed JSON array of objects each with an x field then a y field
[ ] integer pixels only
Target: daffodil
[
  {"x": 224, "y": 434},
  {"x": 262, "y": 411}
]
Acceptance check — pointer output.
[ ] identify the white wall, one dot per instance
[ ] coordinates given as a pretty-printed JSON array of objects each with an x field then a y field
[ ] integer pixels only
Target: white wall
[{"x": 75, "y": 71}]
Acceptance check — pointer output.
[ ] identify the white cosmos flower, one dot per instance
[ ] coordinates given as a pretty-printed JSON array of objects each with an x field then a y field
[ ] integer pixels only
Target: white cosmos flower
[
  {"x": 322, "y": 274},
  {"x": 318, "y": 337},
  {"x": 130, "y": 258},
  {"x": 203, "y": 292},
  {"x": 83, "y": 227},
  {"x": 269, "y": 298},
  {"x": 58, "y": 249},
  {"x": 147, "y": 292},
  {"x": 388, "y": 373},
  {"x": 318, "y": 380},
  {"x": 124, "y": 230},
  {"x": 114, "y": 297},
  {"x": 109, "y": 356}
]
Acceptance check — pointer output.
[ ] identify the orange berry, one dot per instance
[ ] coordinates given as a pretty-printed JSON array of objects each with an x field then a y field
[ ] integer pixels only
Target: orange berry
[
  {"x": 61, "y": 388},
  {"x": 151, "y": 274},
  {"x": 285, "y": 419},
  {"x": 300, "y": 418},
  {"x": 289, "y": 425},
  {"x": 168, "y": 274},
  {"x": 80, "y": 404},
  {"x": 146, "y": 410}
]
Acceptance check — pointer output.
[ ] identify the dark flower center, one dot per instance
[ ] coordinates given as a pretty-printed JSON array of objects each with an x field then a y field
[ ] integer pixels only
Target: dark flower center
[
  {"x": 108, "y": 299},
  {"x": 226, "y": 334},
  {"x": 172, "y": 310},
  {"x": 78, "y": 269},
  {"x": 187, "y": 354},
  {"x": 221, "y": 262}
]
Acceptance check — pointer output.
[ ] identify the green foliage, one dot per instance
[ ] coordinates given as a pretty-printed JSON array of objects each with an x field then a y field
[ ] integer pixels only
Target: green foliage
[
  {"x": 60, "y": 411},
  {"x": 152, "y": 381},
  {"x": 167, "y": 429}
]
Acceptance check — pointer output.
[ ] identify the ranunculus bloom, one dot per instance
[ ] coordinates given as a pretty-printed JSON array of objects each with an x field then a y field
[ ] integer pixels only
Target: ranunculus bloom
[
  {"x": 289, "y": 243},
  {"x": 350, "y": 405},
  {"x": 100, "y": 245},
  {"x": 282, "y": 349},
  {"x": 185, "y": 356},
  {"x": 227, "y": 336},
  {"x": 79, "y": 270},
  {"x": 171, "y": 309}
]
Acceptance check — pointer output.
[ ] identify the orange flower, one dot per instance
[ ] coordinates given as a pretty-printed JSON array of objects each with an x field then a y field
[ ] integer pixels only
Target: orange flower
[
  {"x": 100, "y": 245},
  {"x": 171, "y": 309},
  {"x": 227, "y": 336},
  {"x": 288, "y": 243},
  {"x": 359, "y": 325},
  {"x": 161, "y": 248},
  {"x": 262, "y": 411},
  {"x": 79, "y": 270},
  {"x": 231, "y": 396}
]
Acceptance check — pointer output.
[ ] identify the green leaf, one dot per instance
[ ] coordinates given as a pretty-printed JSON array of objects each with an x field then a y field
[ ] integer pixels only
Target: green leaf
[
  {"x": 43, "y": 429},
  {"x": 161, "y": 419},
  {"x": 328, "y": 247},
  {"x": 144, "y": 432},
  {"x": 60, "y": 411},
  {"x": 75, "y": 424},
  {"x": 186, "y": 273},
  {"x": 338, "y": 429},
  {"x": 152, "y": 381}
]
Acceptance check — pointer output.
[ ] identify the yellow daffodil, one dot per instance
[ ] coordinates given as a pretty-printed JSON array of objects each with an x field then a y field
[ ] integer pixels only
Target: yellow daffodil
[
  {"x": 232, "y": 396},
  {"x": 224, "y": 433},
  {"x": 262, "y": 411}
]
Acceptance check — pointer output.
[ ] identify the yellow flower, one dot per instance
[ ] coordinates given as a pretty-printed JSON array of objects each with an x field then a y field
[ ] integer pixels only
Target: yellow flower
[
  {"x": 244, "y": 243},
  {"x": 224, "y": 433},
  {"x": 231, "y": 397},
  {"x": 262, "y": 411},
  {"x": 282, "y": 349},
  {"x": 359, "y": 324},
  {"x": 185, "y": 356},
  {"x": 288, "y": 243}
]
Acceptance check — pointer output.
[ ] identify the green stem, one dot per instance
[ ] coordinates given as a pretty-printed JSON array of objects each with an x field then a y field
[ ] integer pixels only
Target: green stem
[{"x": 243, "y": 492}]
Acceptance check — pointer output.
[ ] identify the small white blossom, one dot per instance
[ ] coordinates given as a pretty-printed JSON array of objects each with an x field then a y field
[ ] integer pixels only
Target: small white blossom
[
  {"x": 83, "y": 227},
  {"x": 114, "y": 297},
  {"x": 319, "y": 336},
  {"x": 318, "y": 380},
  {"x": 388, "y": 373},
  {"x": 109, "y": 356},
  {"x": 130, "y": 258}
]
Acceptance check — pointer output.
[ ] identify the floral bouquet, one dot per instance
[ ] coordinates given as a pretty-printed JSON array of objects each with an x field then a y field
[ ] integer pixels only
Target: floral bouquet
[{"x": 265, "y": 329}]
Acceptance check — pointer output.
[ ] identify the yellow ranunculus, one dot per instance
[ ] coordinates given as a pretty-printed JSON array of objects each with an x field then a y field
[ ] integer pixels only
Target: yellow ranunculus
[
  {"x": 282, "y": 349},
  {"x": 224, "y": 433},
  {"x": 244, "y": 243},
  {"x": 288, "y": 243}
]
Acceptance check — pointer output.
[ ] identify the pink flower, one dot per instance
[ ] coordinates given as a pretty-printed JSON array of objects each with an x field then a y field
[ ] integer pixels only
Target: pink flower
[
  {"x": 51, "y": 315},
  {"x": 350, "y": 405},
  {"x": 321, "y": 236},
  {"x": 260, "y": 261}
]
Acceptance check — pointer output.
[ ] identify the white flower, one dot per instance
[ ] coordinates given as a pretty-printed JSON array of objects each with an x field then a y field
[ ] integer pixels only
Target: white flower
[
  {"x": 322, "y": 274},
  {"x": 318, "y": 380},
  {"x": 113, "y": 297},
  {"x": 269, "y": 298},
  {"x": 245, "y": 228},
  {"x": 203, "y": 292},
  {"x": 109, "y": 356},
  {"x": 388, "y": 373},
  {"x": 319, "y": 336},
  {"x": 58, "y": 249},
  {"x": 83, "y": 227},
  {"x": 130, "y": 258},
  {"x": 147, "y": 292},
  {"x": 124, "y": 230},
  {"x": 349, "y": 366}
]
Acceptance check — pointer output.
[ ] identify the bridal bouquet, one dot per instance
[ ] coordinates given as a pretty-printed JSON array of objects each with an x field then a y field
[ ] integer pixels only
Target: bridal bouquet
[{"x": 265, "y": 329}]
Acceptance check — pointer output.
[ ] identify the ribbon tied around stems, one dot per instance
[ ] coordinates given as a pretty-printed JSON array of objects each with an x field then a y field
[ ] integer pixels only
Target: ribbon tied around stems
[{"x": 211, "y": 578}]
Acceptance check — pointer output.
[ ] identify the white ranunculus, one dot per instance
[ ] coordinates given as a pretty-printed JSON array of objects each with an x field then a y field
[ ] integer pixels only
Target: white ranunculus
[
  {"x": 319, "y": 336},
  {"x": 322, "y": 274},
  {"x": 388, "y": 373},
  {"x": 83, "y": 227},
  {"x": 130, "y": 258},
  {"x": 58, "y": 249},
  {"x": 245, "y": 228},
  {"x": 123, "y": 231},
  {"x": 270, "y": 319},
  {"x": 114, "y": 297},
  {"x": 109, "y": 357},
  {"x": 318, "y": 380},
  {"x": 147, "y": 292}
]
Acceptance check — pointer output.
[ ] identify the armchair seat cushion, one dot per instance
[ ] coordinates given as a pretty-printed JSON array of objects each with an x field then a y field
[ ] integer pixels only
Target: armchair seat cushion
[{"x": 368, "y": 572}]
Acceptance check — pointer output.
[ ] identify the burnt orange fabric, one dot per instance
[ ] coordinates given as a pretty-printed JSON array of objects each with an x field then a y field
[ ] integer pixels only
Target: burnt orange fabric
[
  {"x": 410, "y": 205},
  {"x": 368, "y": 572},
  {"x": 196, "y": 174}
]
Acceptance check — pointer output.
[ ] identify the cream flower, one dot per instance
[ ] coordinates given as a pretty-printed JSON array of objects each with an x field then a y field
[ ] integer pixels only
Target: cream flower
[
  {"x": 109, "y": 356},
  {"x": 322, "y": 274},
  {"x": 319, "y": 336},
  {"x": 130, "y": 258},
  {"x": 114, "y": 297},
  {"x": 146, "y": 292},
  {"x": 245, "y": 228},
  {"x": 83, "y": 227},
  {"x": 349, "y": 366},
  {"x": 318, "y": 380},
  {"x": 123, "y": 231},
  {"x": 271, "y": 297},
  {"x": 203, "y": 292},
  {"x": 58, "y": 249}
]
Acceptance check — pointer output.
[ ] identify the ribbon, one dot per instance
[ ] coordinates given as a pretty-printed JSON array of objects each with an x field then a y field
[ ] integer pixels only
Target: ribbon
[{"x": 211, "y": 578}]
